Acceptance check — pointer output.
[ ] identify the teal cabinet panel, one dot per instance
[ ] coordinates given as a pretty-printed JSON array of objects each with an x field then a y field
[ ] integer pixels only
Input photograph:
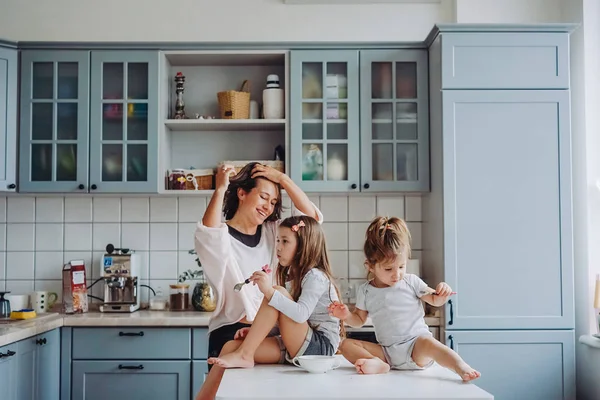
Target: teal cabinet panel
[
  {"x": 394, "y": 121},
  {"x": 124, "y": 121},
  {"x": 8, "y": 372},
  {"x": 507, "y": 209},
  {"x": 27, "y": 369},
  {"x": 132, "y": 343},
  {"x": 54, "y": 130},
  {"x": 133, "y": 379},
  {"x": 509, "y": 60},
  {"x": 324, "y": 120},
  {"x": 199, "y": 372},
  {"x": 48, "y": 366},
  {"x": 199, "y": 343},
  {"x": 520, "y": 364},
  {"x": 8, "y": 119},
  {"x": 66, "y": 335}
]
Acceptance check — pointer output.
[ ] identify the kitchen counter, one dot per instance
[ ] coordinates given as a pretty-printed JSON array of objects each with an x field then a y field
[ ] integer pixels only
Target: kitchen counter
[
  {"x": 14, "y": 331},
  {"x": 290, "y": 383}
]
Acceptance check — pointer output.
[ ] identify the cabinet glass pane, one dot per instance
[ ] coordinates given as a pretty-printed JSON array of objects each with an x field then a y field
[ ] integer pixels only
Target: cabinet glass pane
[
  {"x": 312, "y": 162},
  {"x": 42, "y": 121},
  {"x": 407, "y": 163},
  {"x": 112, "y": 162},
  {"x": 312, "y": 125},
  {"x": 112, "y": 81},
  {"x": 137, "y": 121},
  {"x": 312, "y": 80},
  {"x": 66, "y": 124},
  {"x": 337, "y": 110},
  {"x": 312, "y": 130},
  {"x": 137, "y": 81},
  {"x": 68, "y": 80},
  {"x": 337, "y": 162},
  {"x": 336, "y": 83},
  {"x": 381, "y": 80},
  {"x": 112, "y": 121},
  {"x": 312, "y": 110},
  {"x": 41, "y": 162},
  {"x": 381, "y": 121},
  {"x": 406, "y": 121},
  {"x": 66, "y": 157},
  {"x": 383, "y": 162},
  {"x": 406, "y": 80},
  {"x": 43, "y": 80},
  {"x": 137, "y": 162},
  {"x": 337, "y": 130}
]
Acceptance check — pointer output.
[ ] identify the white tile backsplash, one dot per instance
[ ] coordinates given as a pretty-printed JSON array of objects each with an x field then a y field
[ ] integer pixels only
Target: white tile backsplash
[{"x": 38, "y": 235}]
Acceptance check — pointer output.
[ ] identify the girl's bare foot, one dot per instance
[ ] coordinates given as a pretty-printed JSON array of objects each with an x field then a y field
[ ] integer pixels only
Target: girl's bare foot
[
  {"x": 466, "y": 372},
  {"x": 232, "y": 360},
  {"x": 371, "y": 366}
]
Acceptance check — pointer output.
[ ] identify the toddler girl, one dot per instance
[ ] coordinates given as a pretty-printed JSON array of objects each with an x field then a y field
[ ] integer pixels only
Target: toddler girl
[
  {"x": 393, "y": 300},
  {"x": 301, "y": 316}
]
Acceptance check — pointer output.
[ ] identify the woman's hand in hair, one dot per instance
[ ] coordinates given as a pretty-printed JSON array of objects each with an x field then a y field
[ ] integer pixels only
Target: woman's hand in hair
[
  {"x": 263, "y": 280},
  {"x": 222, "y": 178},
  {"x": 270, "y": 173}
]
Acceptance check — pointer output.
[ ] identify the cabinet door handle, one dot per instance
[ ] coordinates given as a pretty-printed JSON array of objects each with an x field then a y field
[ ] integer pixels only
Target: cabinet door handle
[
  {"x": 94, "y": 187},
  {"x": 41, "y": 341},
  {"x": 81, "y": 186},
  {"x": 121, "y": 366},
  {"x": 451, "y": 313},
  {"x": 12, "y": 186},
  {"x": 451, "y": 339},
  {"x": 353, "y": 186},
  {"x": 131, "y": 334},
  {"x": 11, "y": 353},
  {"x": 366, "y": 186}
]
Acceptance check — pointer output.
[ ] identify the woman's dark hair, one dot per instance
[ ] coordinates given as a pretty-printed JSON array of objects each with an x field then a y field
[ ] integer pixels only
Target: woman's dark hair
[{"x": 243, "y": 180}]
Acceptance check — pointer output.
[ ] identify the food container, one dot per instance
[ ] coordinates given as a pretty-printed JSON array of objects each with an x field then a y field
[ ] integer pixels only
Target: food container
[{"x": 179, "y": 297}]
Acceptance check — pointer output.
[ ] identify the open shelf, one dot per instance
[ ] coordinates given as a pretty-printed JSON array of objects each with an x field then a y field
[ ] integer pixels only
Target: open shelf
[{"x": 225, "y": 124}]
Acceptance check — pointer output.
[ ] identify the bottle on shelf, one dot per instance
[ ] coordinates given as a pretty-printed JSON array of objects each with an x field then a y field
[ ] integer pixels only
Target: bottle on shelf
[{"x": 273, "y": 99}]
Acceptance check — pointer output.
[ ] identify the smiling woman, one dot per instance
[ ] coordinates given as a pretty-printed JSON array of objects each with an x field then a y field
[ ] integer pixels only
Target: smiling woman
[{"x": 231, "y": 251}]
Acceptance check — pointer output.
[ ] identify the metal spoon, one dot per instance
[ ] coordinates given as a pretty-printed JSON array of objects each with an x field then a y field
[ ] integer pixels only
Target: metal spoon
[{"x": 239, "y": 286}]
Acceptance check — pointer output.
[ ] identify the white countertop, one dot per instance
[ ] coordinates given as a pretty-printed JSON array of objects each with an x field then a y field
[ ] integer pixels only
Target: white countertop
[{"x": 290, "y": 383}]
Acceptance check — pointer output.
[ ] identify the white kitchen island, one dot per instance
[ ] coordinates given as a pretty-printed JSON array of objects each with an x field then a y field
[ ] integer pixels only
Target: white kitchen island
[{"x": 286, "y": 382}]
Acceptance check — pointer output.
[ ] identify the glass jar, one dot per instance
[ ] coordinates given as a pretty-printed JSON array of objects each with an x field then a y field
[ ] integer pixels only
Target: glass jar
[{"x": 179, "y": 297}]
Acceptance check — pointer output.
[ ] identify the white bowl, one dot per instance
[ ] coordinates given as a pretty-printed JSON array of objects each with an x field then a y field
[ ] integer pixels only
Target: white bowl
[{"x": 317, "y": 364}]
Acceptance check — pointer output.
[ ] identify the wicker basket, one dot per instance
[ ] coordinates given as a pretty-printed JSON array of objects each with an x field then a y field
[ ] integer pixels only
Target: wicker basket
[
  {"x": 234, "y": 104},
  {"x": 203, "y": 179}
]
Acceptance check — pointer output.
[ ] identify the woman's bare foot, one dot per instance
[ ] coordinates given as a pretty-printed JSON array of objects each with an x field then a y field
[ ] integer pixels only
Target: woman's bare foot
[
  {"x": 232, "y": 360},
  {"x": 371, "y": 366},
  {"x": 467, "y": 373}
]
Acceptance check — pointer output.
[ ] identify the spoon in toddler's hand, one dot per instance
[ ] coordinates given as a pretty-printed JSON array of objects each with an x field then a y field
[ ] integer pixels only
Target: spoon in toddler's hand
[{"x": 239, "y": 286}]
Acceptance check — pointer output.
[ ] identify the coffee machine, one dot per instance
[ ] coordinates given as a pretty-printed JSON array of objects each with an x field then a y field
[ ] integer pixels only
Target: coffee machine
[{"x": 120, "y": 270}]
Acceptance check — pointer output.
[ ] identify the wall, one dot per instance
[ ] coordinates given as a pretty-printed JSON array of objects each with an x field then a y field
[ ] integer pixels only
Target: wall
[
  {"x": 252, "y": 20},
  {"x": 39, "y": 234},
  {"x": 585, "y": 62}
]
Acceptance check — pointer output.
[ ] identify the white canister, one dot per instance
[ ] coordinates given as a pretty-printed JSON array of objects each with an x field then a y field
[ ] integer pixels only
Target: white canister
[
  {"x": 18, "y": 301},
  {"x": 42, "y": 301},
  {"x": 254, "y": 109},
  {"x": 273, "y": 104}
]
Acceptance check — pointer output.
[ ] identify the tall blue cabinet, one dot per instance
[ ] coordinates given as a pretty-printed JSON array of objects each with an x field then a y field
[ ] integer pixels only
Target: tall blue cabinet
[
  {"x": 498, "y": 219},
  {"x": 8, "y": 117}
]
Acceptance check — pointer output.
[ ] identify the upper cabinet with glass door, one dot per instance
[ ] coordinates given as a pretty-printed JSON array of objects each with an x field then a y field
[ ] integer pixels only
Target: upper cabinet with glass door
[
  {"x": 54, "y": 121},
  {"x": 124, "y": 121},
  {"x": 324, "y": 115},
  {"x": 394, "y": 120}
]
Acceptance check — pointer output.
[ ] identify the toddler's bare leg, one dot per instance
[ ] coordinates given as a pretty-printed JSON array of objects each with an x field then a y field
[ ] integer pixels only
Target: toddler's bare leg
[
  {"x": 427, "y": 349},
  {"x": 367, "y": 357}
]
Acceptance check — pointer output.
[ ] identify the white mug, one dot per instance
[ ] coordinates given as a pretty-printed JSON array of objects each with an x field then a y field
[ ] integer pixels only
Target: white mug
[
  {"x": 42, "y": 301},
  {"x": 317, "y": 364}
]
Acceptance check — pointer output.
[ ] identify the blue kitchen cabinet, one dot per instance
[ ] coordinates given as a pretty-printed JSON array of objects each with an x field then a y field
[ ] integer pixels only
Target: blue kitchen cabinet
[
  {"x": 199, "y": 372},
  {"x": 523, "y": 364},
  {"x": 8, "y": 118},
  {"x": 499, "y": 212},
  {"x": 38, "y": 366},
  {"x": 8, "y": 372},
  {"x": 507, "y": 202},
  {"x": 124, "y": 121},
  {"x": 54, "y": 130}
]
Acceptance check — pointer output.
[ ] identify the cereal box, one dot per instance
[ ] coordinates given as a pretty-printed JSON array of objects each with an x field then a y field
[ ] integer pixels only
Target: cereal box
[{"x": 75, "y": 298}]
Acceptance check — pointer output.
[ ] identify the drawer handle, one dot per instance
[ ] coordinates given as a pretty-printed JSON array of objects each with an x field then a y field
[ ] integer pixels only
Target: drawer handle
[
  {"x": 11, "y": 353},
  {"x": 131, "y": 334},
  {"x": 451, "y": 339},
  {"x": 121, "y": 366},
  {"x": 41, "y": 341},
  {"x": 451, "y": 313}
]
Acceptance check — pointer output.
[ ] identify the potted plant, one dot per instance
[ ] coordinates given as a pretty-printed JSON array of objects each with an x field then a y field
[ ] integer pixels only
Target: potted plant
[{"x": 203, "y": 296}]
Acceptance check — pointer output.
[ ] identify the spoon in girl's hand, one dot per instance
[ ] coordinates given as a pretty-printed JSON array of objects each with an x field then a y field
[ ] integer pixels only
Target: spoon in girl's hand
[{"x": 239, "y": 286}]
